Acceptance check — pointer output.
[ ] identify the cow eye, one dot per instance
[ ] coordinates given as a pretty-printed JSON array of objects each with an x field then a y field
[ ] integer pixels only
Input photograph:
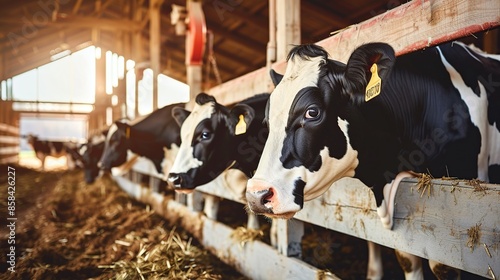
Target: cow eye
[
  {"x": 205, "y": 135},
  {"x": 312, "y": 113}
]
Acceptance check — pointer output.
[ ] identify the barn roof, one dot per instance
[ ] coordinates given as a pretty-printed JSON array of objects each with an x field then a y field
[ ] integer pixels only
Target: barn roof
[{"x": 31, "y": 31}]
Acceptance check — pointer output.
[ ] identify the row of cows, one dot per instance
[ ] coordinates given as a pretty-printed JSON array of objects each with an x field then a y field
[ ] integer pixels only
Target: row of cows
[{"x": 377, "y": 118}]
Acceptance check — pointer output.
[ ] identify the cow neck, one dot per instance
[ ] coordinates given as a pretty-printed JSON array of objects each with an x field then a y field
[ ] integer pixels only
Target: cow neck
[
  {"x": 154, "y": 124},
  {"x": 254, "y": 138}
]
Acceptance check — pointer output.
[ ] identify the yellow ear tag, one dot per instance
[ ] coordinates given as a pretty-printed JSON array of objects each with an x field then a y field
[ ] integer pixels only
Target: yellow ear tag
[
  {"x": 127, "y": 132},
  {"x": 241, "y": 126},
  {"x": 374, "y": 85}
]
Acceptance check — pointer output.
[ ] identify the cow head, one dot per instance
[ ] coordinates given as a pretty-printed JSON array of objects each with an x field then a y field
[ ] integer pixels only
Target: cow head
[
  {"x": 308, "y": 147},
  {"x": 31, "y": 139},
  {"x": 90, "y": 153},
  {"x": 116, "y": 145},
  {"x": 207, "y": 140}
]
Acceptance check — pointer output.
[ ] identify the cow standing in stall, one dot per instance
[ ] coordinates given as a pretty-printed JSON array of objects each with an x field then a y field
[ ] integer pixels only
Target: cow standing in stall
[
  {"x": 57, "y": 149},
  {"x": 377, "y": 118},
  {"x": 155, "y": 137}
]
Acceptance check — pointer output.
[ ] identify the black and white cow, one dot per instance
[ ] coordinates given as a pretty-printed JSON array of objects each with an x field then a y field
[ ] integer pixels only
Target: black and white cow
[
  {"x": 153, "y": 137},
  {"x": 90, "y": 154},
  {"x": 57, "y": 149},
  {"x": 215, "y": 138},
  {"x": 435, "y": 110}
]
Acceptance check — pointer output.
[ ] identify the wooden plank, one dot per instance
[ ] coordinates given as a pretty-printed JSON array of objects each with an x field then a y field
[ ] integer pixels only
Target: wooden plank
[
  {"x": 9, "y": 128},
  {"x": 217, "y": 238},
  {"x": 12, "y": 159},
  {"x": 82, "y": 22},
  {"x": 145, "y": 166},
  {"x": 434, "y": 227},
  {"x": 287, "y": 26},
  {"x": 9, "y": 150},
  {"x": 9, "y": 139},
  {"x": 243, "y": 87},
  {"x": 154, "y": 45},
  {"x": 414, "y": 25},
  {"x": 417, "y": 24},
  {"x": 229, "y": 185}
]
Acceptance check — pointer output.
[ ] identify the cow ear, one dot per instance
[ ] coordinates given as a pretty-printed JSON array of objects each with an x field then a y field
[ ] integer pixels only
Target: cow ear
[
  {"x": 121, "y": 125},
  {"x": 275, "y": 77},
  {"x": 239, "y": 119},
  {"x": 366, "y": 70},
  {"x": 180, "y": 114}
]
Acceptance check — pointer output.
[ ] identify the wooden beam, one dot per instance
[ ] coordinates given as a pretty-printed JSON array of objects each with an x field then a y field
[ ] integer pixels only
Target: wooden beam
[
  {"x": 433, "y": 224},
  {"x": 154, "y": 45},
  {"x": 76, "y": 7},
  {"x": 491, "y": 41},
  {"x": 416, "y": 25},
  {"x": 37, "y": 51},
  {"x": 409, "y": 27},
  {"x": 287, "y": 26},
  {"x": 2, "y": 65},
  {"x": 78, "y": 21},
  {"x": 100, "y": 8},
  {"x": 217, "y": 238},
  {"x": 9, "y": 128},
  {"x": 329, "y": 19},
  {"x": 221, "y": 34}
]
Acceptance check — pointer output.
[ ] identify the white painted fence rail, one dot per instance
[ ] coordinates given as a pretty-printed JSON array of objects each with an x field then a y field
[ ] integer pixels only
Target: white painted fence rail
[{"x": 456, "y": 224}]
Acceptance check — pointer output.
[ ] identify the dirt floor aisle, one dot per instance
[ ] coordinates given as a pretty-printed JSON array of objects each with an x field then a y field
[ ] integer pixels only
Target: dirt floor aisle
[{"x": 66, "y": 229}]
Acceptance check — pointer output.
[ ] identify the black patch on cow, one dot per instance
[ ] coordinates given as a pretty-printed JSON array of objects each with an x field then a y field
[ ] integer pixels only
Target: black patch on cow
[
  {"x": 152, "y": 134},
  {"x": 307, "y": 51},
  {"x": 216, "y": 146},
  {"x": 474, "y": 69},
  {"x": 298, "y": 192},
  {"x": 203, "y": 98},
  {"x": 306, "y": 138},
  {"x": 419, "y": 122},
  {"x": 494, "y": 173}
]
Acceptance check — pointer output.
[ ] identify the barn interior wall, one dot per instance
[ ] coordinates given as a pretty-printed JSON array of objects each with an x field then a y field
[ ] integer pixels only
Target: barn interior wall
[{"x": 9, "y": 133}]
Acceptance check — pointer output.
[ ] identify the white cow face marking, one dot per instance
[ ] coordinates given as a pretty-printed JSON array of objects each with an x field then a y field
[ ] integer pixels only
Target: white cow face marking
[
  {"x": 307, "y": 148},
  {"x": 185, "y": 160}
]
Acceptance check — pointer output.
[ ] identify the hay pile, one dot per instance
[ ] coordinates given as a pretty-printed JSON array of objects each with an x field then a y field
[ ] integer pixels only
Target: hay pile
[{"x": 69, "y": 230}]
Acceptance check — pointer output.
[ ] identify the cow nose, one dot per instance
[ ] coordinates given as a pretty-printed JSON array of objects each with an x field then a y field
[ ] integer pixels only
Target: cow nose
[
  {"x": 175, "y": 179},
  {"x": 261, "y": 196}
]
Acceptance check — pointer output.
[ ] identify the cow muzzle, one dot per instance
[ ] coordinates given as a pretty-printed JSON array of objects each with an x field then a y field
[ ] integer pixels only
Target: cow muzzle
[
  {"x": 180, "y": 182},
  {"x": 264, "y": 199}
]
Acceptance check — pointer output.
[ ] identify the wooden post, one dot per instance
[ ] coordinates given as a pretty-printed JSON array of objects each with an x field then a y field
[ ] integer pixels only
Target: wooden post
[
  {"x": 289, "y": 233},
  {"x": 194, "y": 79},
  {"x": 154, "y": 45},
  {"x": 287, "y": 26},
  {"x": 137, "y": 47},
  {"x": 2, "y": 71},
  {"x": 101, "y": 98},
  {"x": 195, "y": 40},
  {"x": 490, "y": 41}
]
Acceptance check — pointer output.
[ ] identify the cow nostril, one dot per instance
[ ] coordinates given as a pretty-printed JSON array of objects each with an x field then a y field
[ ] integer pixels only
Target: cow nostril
[
  {"x": 266, "y": 198},
  {"x": 175, "y": 179}
]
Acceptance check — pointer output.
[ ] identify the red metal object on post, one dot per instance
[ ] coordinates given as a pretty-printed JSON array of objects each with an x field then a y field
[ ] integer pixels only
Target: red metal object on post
[{"x": 196, "y": 37}]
